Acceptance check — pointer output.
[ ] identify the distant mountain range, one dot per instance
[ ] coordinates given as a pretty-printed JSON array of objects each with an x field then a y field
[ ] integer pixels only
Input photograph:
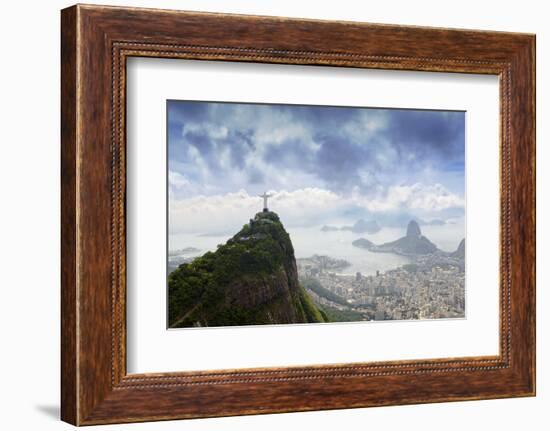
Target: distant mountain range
[
  {"x": 413, "y": 243},
  {"x": 372, "y": 226}
]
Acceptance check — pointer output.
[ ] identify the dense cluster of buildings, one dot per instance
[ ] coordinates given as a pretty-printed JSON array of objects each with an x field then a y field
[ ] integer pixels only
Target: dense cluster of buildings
[{"x": 430, "y": 288}]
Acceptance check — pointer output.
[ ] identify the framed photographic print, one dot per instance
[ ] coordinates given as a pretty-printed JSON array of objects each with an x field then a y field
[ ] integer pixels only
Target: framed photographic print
[{"x": 267, "y": 215}]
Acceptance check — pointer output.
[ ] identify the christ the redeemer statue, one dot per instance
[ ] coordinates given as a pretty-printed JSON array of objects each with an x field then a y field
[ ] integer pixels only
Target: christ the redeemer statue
[{"x": 265, "y": 196}]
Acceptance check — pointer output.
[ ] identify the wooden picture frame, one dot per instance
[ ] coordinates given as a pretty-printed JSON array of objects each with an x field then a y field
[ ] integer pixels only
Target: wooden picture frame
[{"x": 95, "y": 43}]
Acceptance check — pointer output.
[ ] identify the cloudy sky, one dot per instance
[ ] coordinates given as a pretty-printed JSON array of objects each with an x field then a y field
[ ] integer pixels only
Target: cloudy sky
[{"x": 324, "y": 165}]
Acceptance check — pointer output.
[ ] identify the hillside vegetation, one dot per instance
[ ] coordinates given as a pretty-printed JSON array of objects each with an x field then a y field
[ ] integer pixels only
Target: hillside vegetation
[{"x": 250, "y": 280}]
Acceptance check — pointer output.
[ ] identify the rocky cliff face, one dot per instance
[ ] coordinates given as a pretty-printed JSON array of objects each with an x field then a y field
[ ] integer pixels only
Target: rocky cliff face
[
  {"x": 460, "y": 252},
  {"x": 250, "y": 280},
  {"x": 413, "y": 230}
]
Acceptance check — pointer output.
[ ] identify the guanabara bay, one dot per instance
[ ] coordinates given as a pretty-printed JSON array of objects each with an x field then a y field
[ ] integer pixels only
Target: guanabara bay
[{"x": 252, "y": 279}]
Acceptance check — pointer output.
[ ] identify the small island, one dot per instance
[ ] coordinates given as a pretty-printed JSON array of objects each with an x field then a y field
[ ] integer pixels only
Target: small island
[{"x": 360, "y": 226}]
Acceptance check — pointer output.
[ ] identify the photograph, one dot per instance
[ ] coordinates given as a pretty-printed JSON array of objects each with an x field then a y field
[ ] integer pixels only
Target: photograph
[{"x": 309, "y": 214}]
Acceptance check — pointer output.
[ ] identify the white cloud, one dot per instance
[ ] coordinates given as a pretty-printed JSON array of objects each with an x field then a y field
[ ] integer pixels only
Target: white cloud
[
  {"x": 178, "y": 184},
  {"x": 212, "y": 130},
  {"x": 367, "y": 123},
  {"x": 177, "y": 180},
  {"x": 307, "y": 206},
  {"x": 414, "y": 197},
  {"x": 220, "y": 213}
]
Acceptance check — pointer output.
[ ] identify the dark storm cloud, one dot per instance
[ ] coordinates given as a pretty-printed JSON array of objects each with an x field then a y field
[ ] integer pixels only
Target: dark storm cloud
[
  {"x": 341, "y": 147},
  {"x": 202, "y": 142},
  {"x": 239, "y": 144},
  {"x": 255, "y": 176},
  {"x": 429, "y": 134},
  {"x": 290, "y": 153},
  {"x": 338, "y": 154},
  {"x": 183, "y": 133},
  {"x": 180, "y": 111}
]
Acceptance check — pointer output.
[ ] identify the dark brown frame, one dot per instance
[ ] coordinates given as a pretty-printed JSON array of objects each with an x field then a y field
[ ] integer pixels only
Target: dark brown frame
[{"x": 95, "y": 43}]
